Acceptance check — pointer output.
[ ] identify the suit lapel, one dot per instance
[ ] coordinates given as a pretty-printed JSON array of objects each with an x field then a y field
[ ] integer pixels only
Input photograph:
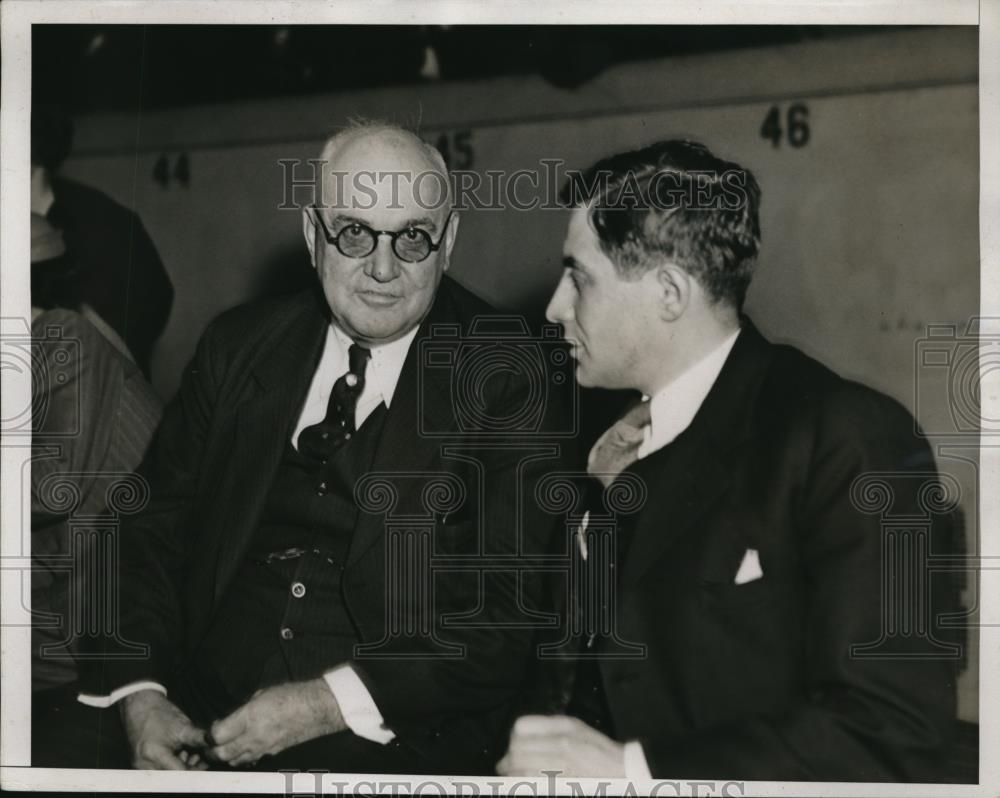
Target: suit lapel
[
  {"x": 683, "y": 481},
  {"x": 687, "y": 478},
  {"x": 421, "y": 402},
  {"x": 265, "y": 416}
]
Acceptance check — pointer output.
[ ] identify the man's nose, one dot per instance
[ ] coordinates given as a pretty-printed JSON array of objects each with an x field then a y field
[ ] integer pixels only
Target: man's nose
[
  {"x": 559, "y": 310},
  {"x": 383, "y": 265}
]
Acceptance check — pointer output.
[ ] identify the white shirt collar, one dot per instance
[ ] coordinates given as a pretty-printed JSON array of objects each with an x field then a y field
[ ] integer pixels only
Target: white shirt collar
[
  {"x": 386, "y": 362},
  {"x": 381, "y": 377},
  {"x": 673, "y": 407}
]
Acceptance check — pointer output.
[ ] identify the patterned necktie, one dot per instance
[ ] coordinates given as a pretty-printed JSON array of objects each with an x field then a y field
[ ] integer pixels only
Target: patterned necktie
[
  {"x": 619, "y": 446},
  {"x": 321, "y": 440}
]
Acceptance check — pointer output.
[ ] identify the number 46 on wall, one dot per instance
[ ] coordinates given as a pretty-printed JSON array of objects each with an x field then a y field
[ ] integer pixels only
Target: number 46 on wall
[{"x": 796, "y": 125}]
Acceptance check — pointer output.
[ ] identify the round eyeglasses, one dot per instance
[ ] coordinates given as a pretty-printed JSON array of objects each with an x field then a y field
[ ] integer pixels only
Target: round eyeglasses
[{"x": 358, "y": 240}]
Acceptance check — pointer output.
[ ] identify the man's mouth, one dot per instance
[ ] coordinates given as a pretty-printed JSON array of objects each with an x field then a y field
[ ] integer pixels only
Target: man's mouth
[
  {"x": 575, "y": 347},
  {"x": 378, "y": 299}
]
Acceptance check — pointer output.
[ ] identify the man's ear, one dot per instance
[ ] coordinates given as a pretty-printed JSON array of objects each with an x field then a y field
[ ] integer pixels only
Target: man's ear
[
  {"x": 449, "y": 238},
  {"x": 675, "y": 289},
  {"x": 309, "y": 225}
]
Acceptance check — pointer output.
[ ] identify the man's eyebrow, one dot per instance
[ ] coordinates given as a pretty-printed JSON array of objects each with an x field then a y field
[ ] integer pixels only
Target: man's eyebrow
[
  {"x": 421, "y": 221},
  {"x": 425, "y": 221},
  {"x": 343, "y": 218}
]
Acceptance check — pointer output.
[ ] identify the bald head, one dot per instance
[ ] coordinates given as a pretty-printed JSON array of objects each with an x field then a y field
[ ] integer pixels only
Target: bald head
[{"x": 369, "y": 159}]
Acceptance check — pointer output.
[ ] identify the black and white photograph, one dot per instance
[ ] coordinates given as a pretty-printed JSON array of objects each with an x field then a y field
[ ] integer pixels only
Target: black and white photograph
[{"x": 484, "y": 399}]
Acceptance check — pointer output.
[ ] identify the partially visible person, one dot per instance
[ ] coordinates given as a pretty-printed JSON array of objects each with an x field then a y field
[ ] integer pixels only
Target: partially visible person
[
  {"x": 120, "y": 273},
  {"x": 93, "y": 390}
]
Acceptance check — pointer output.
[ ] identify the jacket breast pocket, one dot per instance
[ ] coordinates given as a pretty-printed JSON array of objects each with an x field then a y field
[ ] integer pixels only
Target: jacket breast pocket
[
  {"x": 727, "y": 581},
  {"x": 732, "y": 595},
  {"x": 730, "y": 568}
]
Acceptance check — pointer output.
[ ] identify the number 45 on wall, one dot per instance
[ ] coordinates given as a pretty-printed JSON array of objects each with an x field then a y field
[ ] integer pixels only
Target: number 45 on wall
[{"x": 796, "y": 125}]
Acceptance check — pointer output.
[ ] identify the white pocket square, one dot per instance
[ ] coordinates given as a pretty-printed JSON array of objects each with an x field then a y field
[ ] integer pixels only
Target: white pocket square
[{"x": 749, "y": 569}]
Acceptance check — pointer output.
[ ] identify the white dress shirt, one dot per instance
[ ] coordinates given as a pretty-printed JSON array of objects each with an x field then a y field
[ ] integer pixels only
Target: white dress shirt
[
  {"x": 381, "y": 376},
  {"x": 382, "y": 372},
  {"x": 671, "y": 411}
]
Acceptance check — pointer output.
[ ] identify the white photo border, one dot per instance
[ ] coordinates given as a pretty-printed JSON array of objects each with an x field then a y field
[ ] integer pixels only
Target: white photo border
[{"x": 16, "y": 18}]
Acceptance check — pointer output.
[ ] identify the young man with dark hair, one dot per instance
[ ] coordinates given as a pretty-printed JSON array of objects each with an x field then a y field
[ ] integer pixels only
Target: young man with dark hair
[{"x": 757, "y": 572}]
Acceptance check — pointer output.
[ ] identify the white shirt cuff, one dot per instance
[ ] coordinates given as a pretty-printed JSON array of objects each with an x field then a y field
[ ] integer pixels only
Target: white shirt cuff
[
  {"x": 636, "y": 767},
  {"x": 357, "y": 705},
  {"x": 105, "y": 701}
]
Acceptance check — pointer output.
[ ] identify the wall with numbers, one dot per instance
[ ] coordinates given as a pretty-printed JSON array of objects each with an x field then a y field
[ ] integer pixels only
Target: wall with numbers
[{"x": 866, "y": 149}]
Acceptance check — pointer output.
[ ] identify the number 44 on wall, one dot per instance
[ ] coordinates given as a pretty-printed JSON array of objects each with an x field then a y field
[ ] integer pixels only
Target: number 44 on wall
[
  {"x": 796, "y": 125},
  {"x": 164, "y": 174}
]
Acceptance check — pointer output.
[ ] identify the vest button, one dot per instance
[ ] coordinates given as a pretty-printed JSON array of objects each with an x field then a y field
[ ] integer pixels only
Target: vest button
[
  {"x": 325, "y": 435},
  {"x": 298, "y": 589},
  {"x": 351, "y": 380},
  {"x": 287, "y": 634}
]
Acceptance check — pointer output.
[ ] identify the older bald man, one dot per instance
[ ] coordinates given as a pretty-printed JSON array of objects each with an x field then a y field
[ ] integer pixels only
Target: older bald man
[{"x": 286, "y": 627}]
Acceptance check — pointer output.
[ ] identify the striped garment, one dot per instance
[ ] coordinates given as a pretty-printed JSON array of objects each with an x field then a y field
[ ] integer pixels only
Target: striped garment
[{"x": 93, "y": 417}]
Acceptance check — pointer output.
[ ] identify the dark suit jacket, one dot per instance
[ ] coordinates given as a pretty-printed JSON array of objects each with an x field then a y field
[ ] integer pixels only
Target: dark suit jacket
[
  {"x": 760, "y": 680},
  {"x": 213, "y": 462}
]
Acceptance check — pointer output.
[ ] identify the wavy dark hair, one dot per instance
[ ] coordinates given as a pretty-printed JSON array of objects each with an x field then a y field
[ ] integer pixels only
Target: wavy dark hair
[{"x": 675, "y": 199}]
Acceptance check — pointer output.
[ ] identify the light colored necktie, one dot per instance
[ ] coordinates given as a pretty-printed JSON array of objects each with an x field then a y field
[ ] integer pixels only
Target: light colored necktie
[{"x": 619, "y": 446}]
